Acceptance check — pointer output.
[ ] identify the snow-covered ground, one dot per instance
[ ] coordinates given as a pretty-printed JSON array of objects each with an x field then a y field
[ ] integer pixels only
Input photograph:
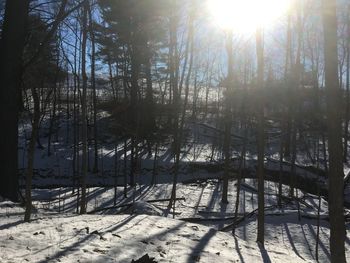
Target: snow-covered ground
[
  {"x": 201, "y": 229},
  {"x": 128, "y": 232},
  {"x": 121, "y": 238}
]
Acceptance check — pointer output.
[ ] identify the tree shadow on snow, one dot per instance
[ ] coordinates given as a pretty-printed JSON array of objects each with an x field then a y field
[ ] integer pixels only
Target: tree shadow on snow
[
  {"x": 202, "y": 243},
  {"x": 238, "y": 250},
  {"x": 80, "y": 242},
  {"x": 321, "y": 245},
  {"x": 12, "y": 224},
  {"x": 290, "y": 238},
  {"x": 265, "y": 256}
]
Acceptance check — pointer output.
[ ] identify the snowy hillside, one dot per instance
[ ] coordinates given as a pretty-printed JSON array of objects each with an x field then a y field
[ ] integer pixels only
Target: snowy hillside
[{"x": 124, "y": 232}]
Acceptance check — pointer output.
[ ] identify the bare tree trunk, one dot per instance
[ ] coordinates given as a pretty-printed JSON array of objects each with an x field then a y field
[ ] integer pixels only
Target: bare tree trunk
[
  {"x": 75, "y": 116},
  {"x": 228, "y": 118},
  {"x": 111, "y": 77},
  {"x": 195, "y": 95},
  {"x": 125, "y": 170},
  {"x": 239, "y": 178},
  {"x": 132, "y": 161},
  {"x": 115, "y": 171},
  {"x": 11, "y": 49},
  {"x": 52, "y": 119},
  {"x": 209, "y": 72},
  {"x": 93, "y": 84},
  {"x": 68, "y": 107},
  {"x": 319, "y": 201},
  {"x": 324, "y": 149},
  {"x": 287, "y": 79},
  {"x": 83, "y": 110},
  {"x": 294, "y": 153},
  {"x": 174, "y": 85},
  {"x": 336, "y": 174},
  {"x": 31, "y": 152},
  {"x": 190, "y": 43},
  {"x": 347, "y": 109},
  {"x": 187, "y": 51},
  {"x": 178, "y": 134},
  {"x": 281, "y": 163},
  {"x": 154, "y": 174},
  {"x": 134, "y": 109},
  {"x": 150, "y": 116},
  {"x": 260, "y": 136}
]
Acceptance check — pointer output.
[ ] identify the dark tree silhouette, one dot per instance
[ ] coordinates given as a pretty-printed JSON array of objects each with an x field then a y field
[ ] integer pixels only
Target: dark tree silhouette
[
  {"x": 11, "y": 51},
  {"x": 336, "y": 174}
]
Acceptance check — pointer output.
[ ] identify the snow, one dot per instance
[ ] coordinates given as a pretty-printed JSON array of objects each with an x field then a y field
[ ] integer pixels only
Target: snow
[
  {"x": 137, "y": 227},
  {"x": 109, "y": 236},
  {"x": 142, "y": 207},
  {"x": 121, "y": 238}
]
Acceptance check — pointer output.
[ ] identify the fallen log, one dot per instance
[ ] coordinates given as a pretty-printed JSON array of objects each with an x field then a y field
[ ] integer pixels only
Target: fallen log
[
  {"x": 247, "y": 186},
  {"x": 130, "y": 204},
  {"x": 165, "y": 200},
  {"x": 286, "y": 198},
  {"x": 325, "y": 217},
  {"x": 302, "y": 182},
  {"x": 218, "y": 213},
  {"x": 204, "y": 219},
  {"x": 241, "y": 219},
  {"x": 304, "y": 215},
  {"x": 220, "y": 131},
  {"x": 308, "y": 168}
]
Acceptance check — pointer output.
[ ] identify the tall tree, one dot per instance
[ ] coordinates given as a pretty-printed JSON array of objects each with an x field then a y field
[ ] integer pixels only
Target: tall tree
[
  {"x": 228, "y": 116},
  {"x": 178, "y": 136},
  {"x": 260, "y": 135},
  {"x": 42, "y": 76},
  {"x": 31, "y": 152},
  {"x": 174, "y": 86},
  {"x": 347, "y": 83},
  {"x": 333, "y": 92},
  {"x": 11, "y": 50},
  {"x": 93, "y": 84},
  {"x": 84, "y": 108}
]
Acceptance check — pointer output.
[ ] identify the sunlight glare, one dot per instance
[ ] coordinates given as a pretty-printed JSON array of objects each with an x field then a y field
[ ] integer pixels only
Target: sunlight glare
[{"x": 244, "y": 16}]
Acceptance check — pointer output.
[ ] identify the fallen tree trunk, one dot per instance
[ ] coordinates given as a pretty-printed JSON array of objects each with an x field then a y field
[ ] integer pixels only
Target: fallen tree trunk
[
  {"x": 204, "y": 219},
  {"x": 241, "y": 219},
  {"x": 308, "y": 168},
  {"x": 217, "y": 213},
  {"x": 301, "y": 181},
  {"x": 286, "y": 198},
  {"x": 130, "y": 204},
  {"x": 248, "y": 215}
]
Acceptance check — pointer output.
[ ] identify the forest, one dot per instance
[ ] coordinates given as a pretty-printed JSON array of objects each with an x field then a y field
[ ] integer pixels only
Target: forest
[{"x": 174, "y": 131}]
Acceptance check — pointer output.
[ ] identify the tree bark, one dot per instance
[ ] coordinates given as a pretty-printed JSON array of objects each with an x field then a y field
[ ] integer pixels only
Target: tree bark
[
  {"x": 227, "y": 118},
  {"x": 31, "y": 153},
  {"x": 11, "y": 49},
  {"x": 174, "y": 85},
  {"x": 347, "y": 102},
  {"x": 83, "y": 110},
  {"x": 93, "y": 85},
  {"x": 336, "y": 176},
  {"x": 287, "y": 79},
  {"x": 260, "y": 137}
]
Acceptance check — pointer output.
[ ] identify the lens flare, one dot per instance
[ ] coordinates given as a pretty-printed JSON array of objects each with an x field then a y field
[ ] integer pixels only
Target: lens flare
[{"x": 244, "y": 16}]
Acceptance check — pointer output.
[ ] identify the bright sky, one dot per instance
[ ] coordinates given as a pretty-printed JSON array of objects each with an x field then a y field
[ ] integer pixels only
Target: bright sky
[{"x": 244, "y": 16}]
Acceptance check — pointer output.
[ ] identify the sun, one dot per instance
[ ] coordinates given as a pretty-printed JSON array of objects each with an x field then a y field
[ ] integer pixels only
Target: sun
[{"x": 244, "y": 16}]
